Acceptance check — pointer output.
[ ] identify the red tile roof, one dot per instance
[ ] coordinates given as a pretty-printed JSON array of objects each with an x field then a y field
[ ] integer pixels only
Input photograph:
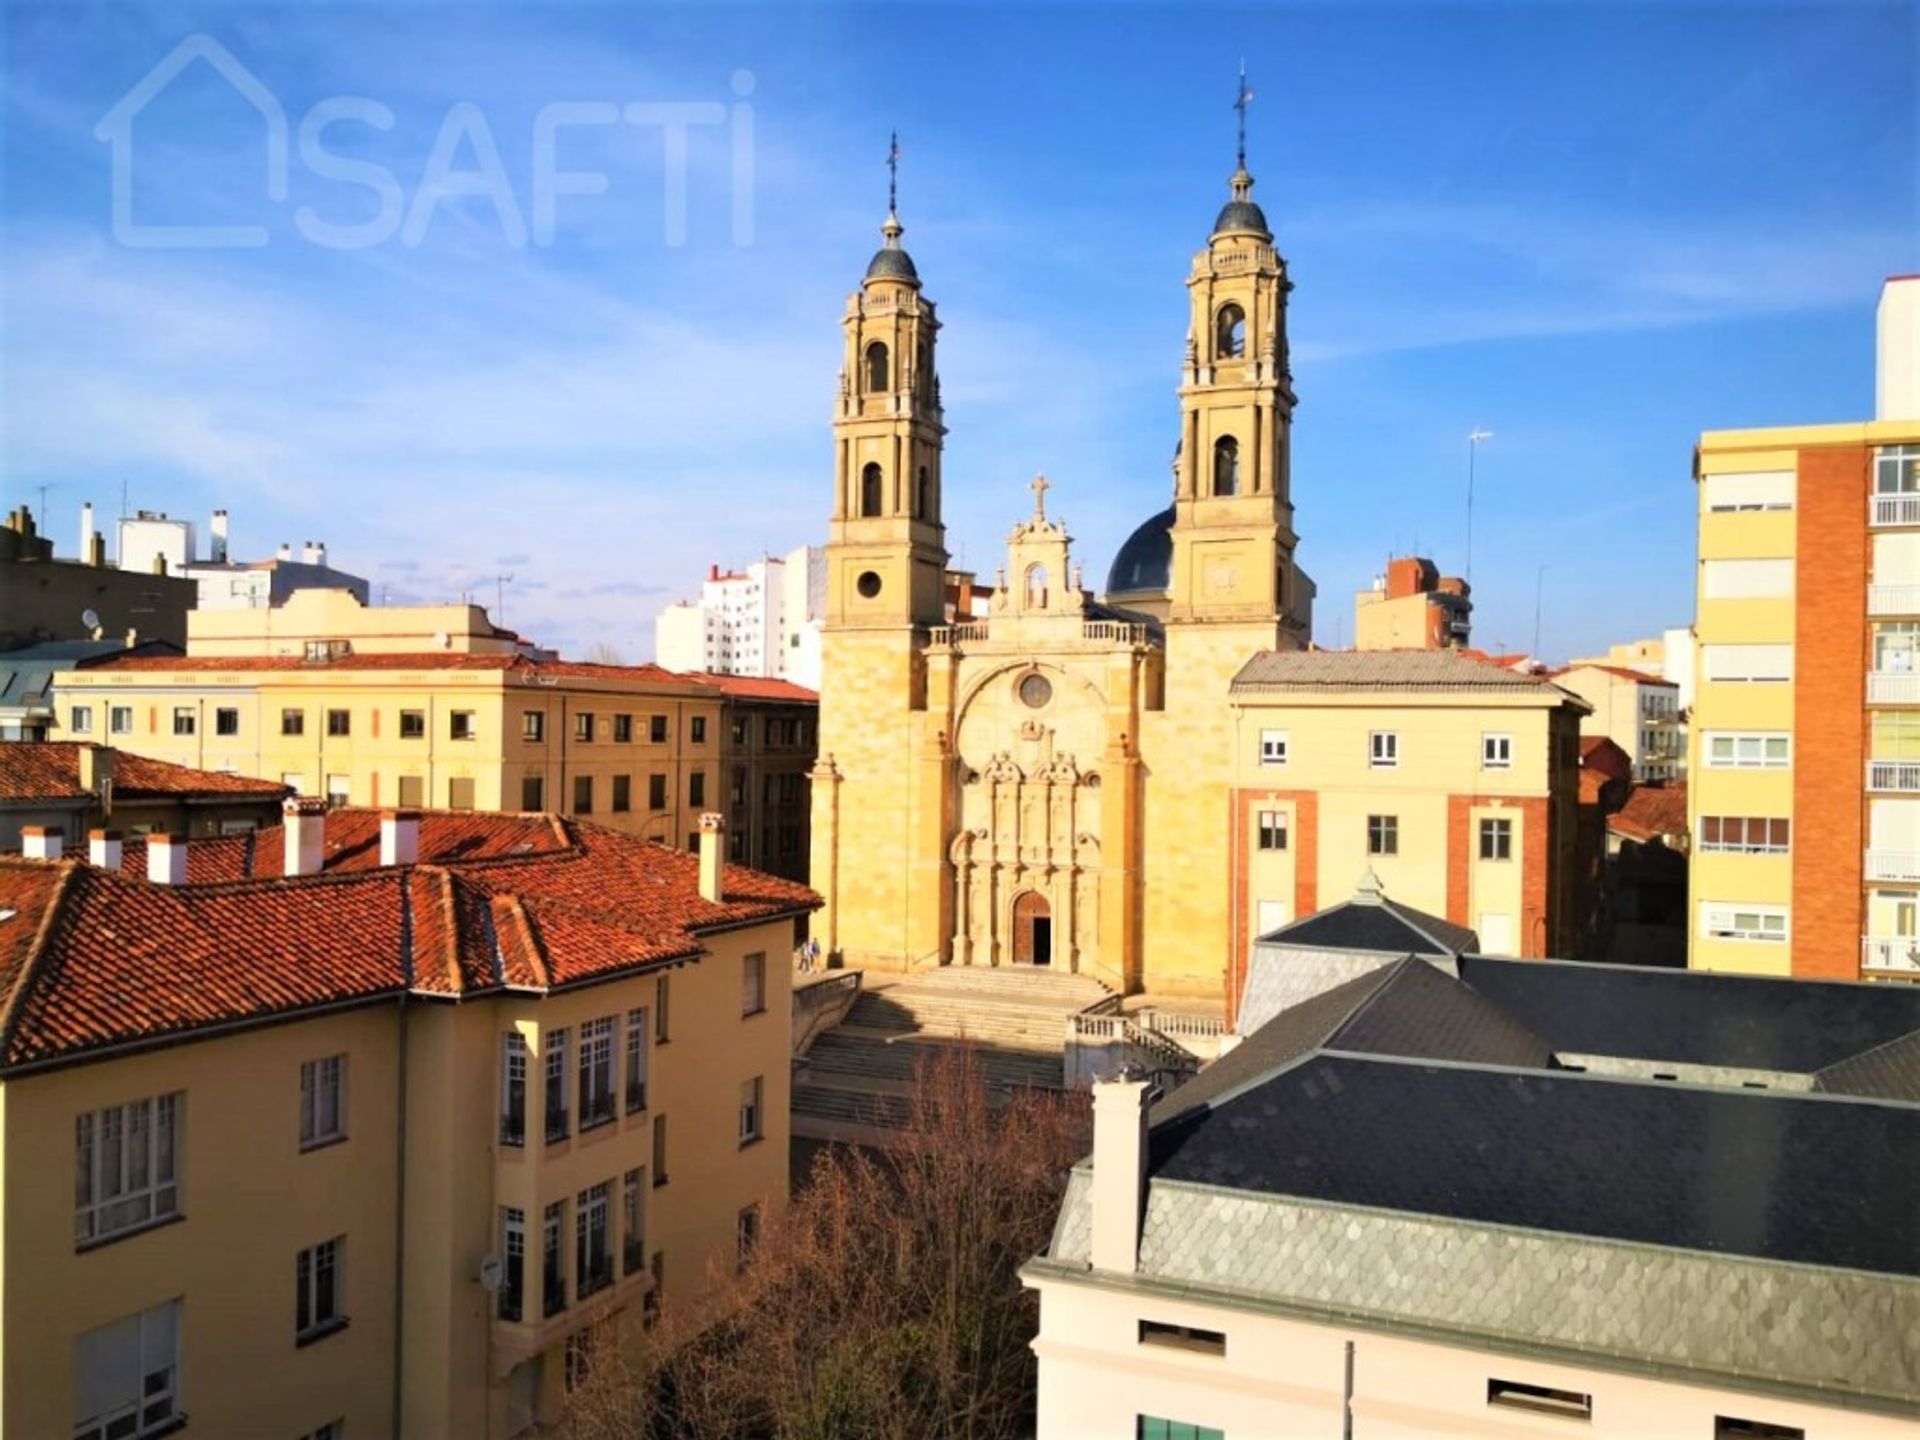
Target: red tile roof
[
  {"x": 1601, "y": 754},
  {"x": 50, "y": 770},
  {"x": 428, "y": 660},
  {"x": 1651, "y": 811},
  {"x": 1619, "y": 672},
  {"x": 90, "y": 959},
  {"x": 755, "y": 687}
]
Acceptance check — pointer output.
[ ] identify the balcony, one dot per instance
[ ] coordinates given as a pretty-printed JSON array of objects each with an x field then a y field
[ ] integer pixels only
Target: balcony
[
  {"x": 1902, "y": 865},
  {"x": 1893, "y": 687},
  {"x": 512, "y": 1297},
  {"x": 1893, "y": 599},
  {"x": 1899, "y": 776},
  {"x": 597, "y": 1276},
  {"x": 513, "y": 1128},
  {"x": 1896, "y": 510},
  {"x": 1898, "y": 953},
  {"x": 596, "y": 1109}
]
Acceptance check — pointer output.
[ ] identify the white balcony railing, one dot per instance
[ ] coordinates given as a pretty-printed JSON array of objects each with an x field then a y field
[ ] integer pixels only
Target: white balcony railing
[
  {"x": 1893, "y": 687},
  {"x": 1890, "y": 952},
  {"x": 1898, "y": 775},
  {"x": 1893, "y": 599},
  {"x": 1893, "y": 865},
  {"x": 1896, "y": 509}
]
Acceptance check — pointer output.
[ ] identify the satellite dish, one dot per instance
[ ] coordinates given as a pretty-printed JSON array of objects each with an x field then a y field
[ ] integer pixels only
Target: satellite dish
[
  {"x": 492, "y": 1274},
  {"x": 90, "y": 619},
  {"x": 442, "y": 639}
]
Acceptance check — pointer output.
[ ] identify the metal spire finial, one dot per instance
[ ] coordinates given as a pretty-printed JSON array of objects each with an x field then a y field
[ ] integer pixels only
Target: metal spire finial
[
  {"x": 893, "y": 174},
  {"x": 1242, "y": 97}
]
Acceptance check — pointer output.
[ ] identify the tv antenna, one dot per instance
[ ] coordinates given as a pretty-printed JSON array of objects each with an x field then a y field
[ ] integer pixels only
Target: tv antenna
[
  {"x": 500, "y": 583},
  {"x": 1474, "y": 438}
]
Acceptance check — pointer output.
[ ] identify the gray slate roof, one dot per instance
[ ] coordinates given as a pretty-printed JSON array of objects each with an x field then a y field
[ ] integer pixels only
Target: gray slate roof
[
  {"x": 1274, "y": 670},
  {"x": 1383, "y": 925}
]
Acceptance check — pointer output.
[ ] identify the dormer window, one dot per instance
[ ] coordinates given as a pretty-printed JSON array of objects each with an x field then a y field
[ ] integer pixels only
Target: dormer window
[
  {"x": 1230, "y": 333},
  {"x": 1226, "y": 466},
  {"x": 877, "y": 382}
]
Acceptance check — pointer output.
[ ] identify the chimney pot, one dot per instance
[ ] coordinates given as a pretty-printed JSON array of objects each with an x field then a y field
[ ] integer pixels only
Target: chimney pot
[
  {"x": 166, "y": 858},
  {"x": 304, "y": 842},
  {"x": 713, "y": 829},
  {"x": 41, "y": 842},
  {"x": 399, "y": 837},
  {"x": 1119, "y": 1171},
  {"x": 104, "y": 850}
]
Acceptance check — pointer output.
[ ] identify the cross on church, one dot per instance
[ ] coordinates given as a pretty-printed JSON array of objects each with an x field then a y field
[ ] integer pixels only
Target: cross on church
[{"x": 1039, "y": 486}]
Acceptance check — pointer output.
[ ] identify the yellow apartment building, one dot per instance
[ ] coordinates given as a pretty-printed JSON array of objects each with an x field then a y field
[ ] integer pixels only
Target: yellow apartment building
[
  {"x": 382, "y": 1148},
  {"x": 1454, "y": 781},
  {"x": 318, "y": 624},
  {"x": 1412, "y": 606},
  {"x": 1804, "y": 771}
]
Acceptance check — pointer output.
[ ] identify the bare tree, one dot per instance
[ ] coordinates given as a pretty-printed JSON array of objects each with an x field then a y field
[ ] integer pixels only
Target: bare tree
[{"x": 604, "y": 652}]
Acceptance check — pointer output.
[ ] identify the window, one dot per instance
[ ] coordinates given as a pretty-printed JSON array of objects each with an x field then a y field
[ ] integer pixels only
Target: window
[
  {"x": 1496, "y": 839},
  {"x": 460, "y": 725},
  {"x": 339, "y": 722},
  {"x": 1273, "y": 829},
  {"x": 513, "y": 1263},
  {"x": 533, "y": 792},
  {"x": 636, "y": 1061},
  {"x": 80, "y": 720},
  {"x": 316, "y": 1306},
  {"x": 127, "y": 1166},
  {"x": 556, "y": 1042},
  {"x": 1183, "y": 1337},
  {"x": 623, "y": 729},
  {"x": 582, "y": 1355},
  {"x": 659, "y": 1151},
  {"x": 751, "y": 1093},
  {"x": 1744, "y": 834},
  {"x": 650, "y": 1305},
  {"x": 1543, "y": 1398},
  {"x": 746, "y": 1235},
  {"x": 1725, "y": 1427},
  {"x": 583, "y": 794},
  {"x": 338, "y": 790},
  {"x": 596, "y": 1072},
  {"x": 1383, "y": 834},
  {"x": 460, "y": 793},
  {"x": 1226, "y": 466},
  {"x": 413, "y": 724},
  {"x": 583, "y": 725},
  {"x": 1748, "y": 750},
  {"x": 739, "y": 727},
  {"x": 633, "y": 1220},
  {"x": 1746, "y": 579},
  {"x": 922, "y": 505},
  {"x": 1273, "y": 747},
  {"x": 513, "y": 1088},
  {"x": 1149, "y": 1427},
  {"x": 323, "y": 1111},
  {"x": 660, "y": 1011},
  {"x": 1383, "y": 749},
  {"x": 1746, "y": 664},
  {"x": 553, "y": 1274},
  {"x": 126, "y": 1376},
  {"x": 413, "y": 791},
  {"x": 1760, "y": 490},
  {"x": 870, "y": 487},
  {"x": 697, "y": 729},
  {"x": 1766, "y": 923},
  {"x": 1230, "y": 333},
  {"x": 1496, "y": 752},
  {"x": 592, "y": 1244},
  {"x": 697, "y": 789},
  {"x": 183, "y": 720},
  {"x": 657, "y": 729},
  {"x": 622, "y": 793},
  {"x": 753, "y": 984},
  {"x": 876, "y": 368},
  {"x": 533, "y": 725},
  {"x": 120, "y": 720}
]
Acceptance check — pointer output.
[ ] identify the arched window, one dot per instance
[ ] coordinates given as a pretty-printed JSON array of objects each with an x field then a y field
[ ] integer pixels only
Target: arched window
[
  {"x": 1226, "y": 466},
  {"x": 1036, "y": 587},
  {"x": 1230, "y": 333},
  {"x": 876, "y": 368},
  {"x": 870, "y": 489},
  {"x": 923, "y": 493}
]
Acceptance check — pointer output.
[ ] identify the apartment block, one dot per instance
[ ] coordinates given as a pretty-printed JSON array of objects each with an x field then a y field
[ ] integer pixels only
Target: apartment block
[
  {"x": 1804, "y": 804},
  {"x": 767, "y": 757},
  {"x": 1637, "y": 710},
  {"x": 760, "y": 621},
  {"x": 375, "y": 1125},
  {"x": 1412, "y": 606}
]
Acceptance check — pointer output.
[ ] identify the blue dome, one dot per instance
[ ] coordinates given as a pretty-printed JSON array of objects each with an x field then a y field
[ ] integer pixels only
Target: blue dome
[
  {"x": 1145, "y": 561},
  {"x": 892, "y": 263},
  {"x": 1242, "y": 217}
]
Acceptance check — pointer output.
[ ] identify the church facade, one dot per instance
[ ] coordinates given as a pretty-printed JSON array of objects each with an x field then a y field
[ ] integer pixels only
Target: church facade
[{"x": 1050, "y": 785}]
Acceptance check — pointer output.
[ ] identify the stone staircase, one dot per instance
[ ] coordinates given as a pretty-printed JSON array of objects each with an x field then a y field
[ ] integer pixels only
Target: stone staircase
[{"x": 854, "y": 1080}]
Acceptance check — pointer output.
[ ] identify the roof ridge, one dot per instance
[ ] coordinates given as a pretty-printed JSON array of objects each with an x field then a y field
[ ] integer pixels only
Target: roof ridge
[
  {"x": 1388, "y": 974},
  {"x": 1903, "y": 1038},
  {"x": 29, "y": 962},
  {"x": 1405, "y": 914}
]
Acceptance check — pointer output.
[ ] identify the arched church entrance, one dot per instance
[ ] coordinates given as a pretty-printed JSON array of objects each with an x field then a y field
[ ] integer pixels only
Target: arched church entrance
[{"x": 1032, "y": 930}]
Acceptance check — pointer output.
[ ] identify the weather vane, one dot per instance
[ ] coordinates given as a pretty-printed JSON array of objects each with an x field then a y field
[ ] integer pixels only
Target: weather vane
[
  {"x": 1241, "y": 98},
  {"x": 893, "y": 174}
]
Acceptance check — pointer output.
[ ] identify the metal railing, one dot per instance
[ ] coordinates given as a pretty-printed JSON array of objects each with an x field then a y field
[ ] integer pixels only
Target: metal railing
[
  {"x": 556, "y": 1126},
  {"x": 633, "y": 1255},
  {"x": 958, "y": 634},
  {"x": 1896, "y": 510},
  {"x": 554, "y": 1295},
  {"x": 599, "y": 1276},
  {"x": 1893, "y": 865},
  {"x": 1893, "y": 687},
  {"x": 1890, "y": 952},
  {"x": 1125, "y": 631},
  {"x": 1893, "y": 599},
  {"x": 512, "y": 1298},
  {"x": 513, "y": 1128},
  {"x": 1901, "y": 775}
]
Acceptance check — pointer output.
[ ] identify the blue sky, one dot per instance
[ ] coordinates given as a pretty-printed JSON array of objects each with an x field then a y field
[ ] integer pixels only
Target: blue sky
[{"x": 1594, "y": 230}]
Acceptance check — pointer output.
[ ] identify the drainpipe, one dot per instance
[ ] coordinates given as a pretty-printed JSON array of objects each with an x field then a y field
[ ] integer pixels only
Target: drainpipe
[{"x": 400, "y": 1167}]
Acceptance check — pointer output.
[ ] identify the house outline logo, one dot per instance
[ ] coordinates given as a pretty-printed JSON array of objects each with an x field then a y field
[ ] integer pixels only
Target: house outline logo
[{"x": 116, "y": 129}]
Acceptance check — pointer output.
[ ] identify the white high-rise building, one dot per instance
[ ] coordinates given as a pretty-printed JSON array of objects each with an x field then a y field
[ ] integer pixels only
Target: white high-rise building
[{"x": 763, "y": 620}]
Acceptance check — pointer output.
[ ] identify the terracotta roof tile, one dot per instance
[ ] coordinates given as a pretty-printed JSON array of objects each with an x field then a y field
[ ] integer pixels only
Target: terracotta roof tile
[
  {"x": 1650, "y": 811},
  {"x": 50, "y": 770},
  {"x": 1620, "y": 672},
  {"x": 755, "y": 687},
  {"x": 426, "y": 660}
]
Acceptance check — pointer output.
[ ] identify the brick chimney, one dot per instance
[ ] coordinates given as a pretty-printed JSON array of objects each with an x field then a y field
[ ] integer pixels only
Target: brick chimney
[
  {"x": 399, "y": 837},
  {"x": 166, "y": 858},
  {"x": 305, "y": 840},
  {"x": 41, "y": 842},
  {"x": 103, "y": 849},
  {"x": 713, "y": 830},
  {"x": 1119, "y": 1171}
]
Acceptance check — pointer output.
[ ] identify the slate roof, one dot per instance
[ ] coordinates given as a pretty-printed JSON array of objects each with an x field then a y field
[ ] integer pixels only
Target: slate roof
[
  {"x": 1886, "y": 1072},
  {"x": 91, "y": 959},
  {"x": 1280, "y": 670},
  {"x": 50, "y": 770},
  {"x": 1383, "y": 925},
  {"x": 26, "y": 673}
]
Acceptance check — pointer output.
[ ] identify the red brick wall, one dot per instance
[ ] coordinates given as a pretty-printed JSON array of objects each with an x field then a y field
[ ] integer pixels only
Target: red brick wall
[
  {"x": 1831, "y": 646},
  {"x": 1536, "y": 865}
]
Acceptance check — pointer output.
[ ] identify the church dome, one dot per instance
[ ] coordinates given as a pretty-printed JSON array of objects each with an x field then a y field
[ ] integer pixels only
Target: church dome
[
  {"x": 889, "y": 263},
  {"x": 1145, "y": 561},
  {"x": 1242, "y": 217}
]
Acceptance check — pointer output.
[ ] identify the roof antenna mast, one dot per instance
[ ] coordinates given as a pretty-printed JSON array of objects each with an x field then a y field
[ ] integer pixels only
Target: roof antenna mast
[
  {"x": 1242, "y": 97},
  {"x": 893, "y": 174}
]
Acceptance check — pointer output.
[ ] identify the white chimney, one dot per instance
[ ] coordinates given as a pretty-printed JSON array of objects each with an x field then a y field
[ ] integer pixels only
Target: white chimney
[
  {"x": 309, "y": 553},
  {"x": 713, "y": 829},
  {"x": 166, "y": 858},
  {"x": 305, "y": 839},
  {"x": 400, "y": 837},
  {"x": 1119, "y": 1171},
  {"x": 1897, "y": 371},
  {"x": 217, "y": 543},
  {"x": 319, "y": 552},
  {"x": 86, "y": 531},
  {"x": 103, "y": 849},
  {"x": 41, "y": 842},
  {"x": 285, "y": 552}
]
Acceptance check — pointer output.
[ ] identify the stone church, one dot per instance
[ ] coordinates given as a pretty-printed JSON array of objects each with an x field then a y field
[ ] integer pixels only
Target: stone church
[{"x": 1048, "y": 786}]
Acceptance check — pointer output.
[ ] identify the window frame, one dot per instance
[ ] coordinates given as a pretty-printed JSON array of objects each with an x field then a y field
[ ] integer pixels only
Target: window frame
[
  {"x": 1274, "y": 746},
  {"x": 119, "y": 719},
  {"x": 753, "y": 984},
  {"x": 463, "y": 725},
  {"x": 316, "y": 1078},
  {"x": 1722, "y": 920},
  {"x": 514, "y": 1060},
  {"x": 753, "y": 1111},
  {"x": 339, "y": 722},
  {"x": 593, "y": 1222},
  {"x": 1496, "y": 750},
  {"x": 1383, "y": 749},
  {"x": 597, "y": 1099},
  {"x": 413, "y": 724},
  {"x": 556, "y": 1120},
  {"x": 319, "y": 1285},
  {"x": 1716, "y": 838},
  {"x": 1383, "y": 836},
  {"x": 147, "y": 1396},
  {"x": 1496, "y": 839},
  {"x": 149, "y": 1180},
  {"x": 1737, "y": 740},
  {"x": 533, "y": 727},
  {"x": 1270, "y": 831},
  {"x": 186, "y": 721},
  {"x": 634, "y": 1078},
  {"x": 80, "y": 719}
]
